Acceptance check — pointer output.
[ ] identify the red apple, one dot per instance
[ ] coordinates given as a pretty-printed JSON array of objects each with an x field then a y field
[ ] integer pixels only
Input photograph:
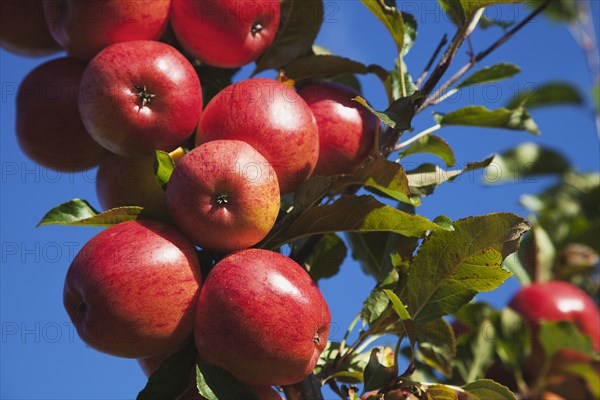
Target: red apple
[
  {"x": 130, "y": 181},
  {"x": 132, "y": 290},
  {"x": 225, "y": 33},
  {"x": 24, "y": 30},
  {"x": 49, "y": 129},
  {"x": 224, "y": 195},
  {"x": 140, "y": 96},
  {"x": 346, "y": 129},
  {"x": 273, "y": 119},
  {"x": 84, "y": 28},
  {"x": 261, "y": 317},
  {"x": 558, "y": 301}
]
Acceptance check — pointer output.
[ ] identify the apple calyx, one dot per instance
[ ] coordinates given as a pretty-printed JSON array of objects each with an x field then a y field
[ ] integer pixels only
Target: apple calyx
[
  {"x": 316, "y": 338},
  {"x": 256, "y": 28},
  {"x": 222, "y": 199},
  {"x": 143, "y": 94}
]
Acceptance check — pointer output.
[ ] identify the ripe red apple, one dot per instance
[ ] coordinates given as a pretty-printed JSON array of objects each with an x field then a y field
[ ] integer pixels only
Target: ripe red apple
[
  {"x": 261, "y": 317},
  {"x": 140, "y": 96},
  {"x": 224, "y": 195},
  {"x": 84, "y": 28},
  {"x": 24, "y": 30},
  {"x": 558, "y": 301},
  {"x": 225, "y": 33},
  {"x": 132, "y": 290},
  {"x": 130, "y": 181},
  {"x": 48, "y": 126},
  {"x": 273, "y": 119},
  {"x": 346, "y": 129}
]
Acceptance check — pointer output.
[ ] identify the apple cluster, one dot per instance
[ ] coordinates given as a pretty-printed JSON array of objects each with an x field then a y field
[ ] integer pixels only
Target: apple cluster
[{"x": 122, "y": 93}]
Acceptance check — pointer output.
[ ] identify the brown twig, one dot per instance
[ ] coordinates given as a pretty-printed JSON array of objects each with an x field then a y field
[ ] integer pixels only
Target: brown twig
[
  {"x": 435, "y": 54},
  {"x": 432, "y": 99}
]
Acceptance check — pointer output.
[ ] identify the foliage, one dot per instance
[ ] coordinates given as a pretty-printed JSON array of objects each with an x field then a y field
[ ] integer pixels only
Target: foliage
[{"x": 426, "y": 270}]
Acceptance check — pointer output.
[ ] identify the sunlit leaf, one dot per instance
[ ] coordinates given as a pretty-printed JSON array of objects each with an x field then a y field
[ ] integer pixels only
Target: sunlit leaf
[
  {"x": 549, "y": 94},
  {"x": 494, "y": 73},
  {"x": 78, "y": 212},
  {"x": 431, "y": 144},
  {"x": 163, "y": 168},
  {"x": 452, "y": 266},
  {"x": 489, "y": 390},
  {"x": 502, "y": 118}
]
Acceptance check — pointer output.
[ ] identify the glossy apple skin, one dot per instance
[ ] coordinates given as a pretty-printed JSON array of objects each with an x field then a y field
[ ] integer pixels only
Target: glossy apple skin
[
  {"x": 346, "y": 128},
  {"x": 83, "y": 28},
  {"x": 261, "y": 317},
  {"x": 24, "y": 30},
  {"x": 229, "y": 168},
  {"x": 49, "y": 129},
  {"x": 558, "y": 301},
  {"x": 131, "y": 291},
  {"x": 273, "y": 119},
  {"x": 117, "y": 117},
  {"x": 225, "y": 33},
  {"x": 130, "y": 181}
]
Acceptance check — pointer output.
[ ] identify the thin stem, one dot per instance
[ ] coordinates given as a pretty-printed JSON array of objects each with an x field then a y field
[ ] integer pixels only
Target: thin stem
[
  {"x": 401, "y": 74},
  {"x": 350, "y": 329},
  {"x": 480, "y": 56},
  {"x": 431, "y": 60},
  {"x": 446, "y": 60},
  {"x": 449, "y": 93},
  {"x": 417, "y": 137},
  {"x": 584, "y": 33}
]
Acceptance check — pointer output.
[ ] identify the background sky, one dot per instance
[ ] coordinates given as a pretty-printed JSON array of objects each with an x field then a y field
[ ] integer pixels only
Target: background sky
[{"x": 41, "y": 356}]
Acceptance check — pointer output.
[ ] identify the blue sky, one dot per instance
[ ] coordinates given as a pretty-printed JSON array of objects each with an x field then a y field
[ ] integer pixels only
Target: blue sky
[{"x": 41, "y": 356}]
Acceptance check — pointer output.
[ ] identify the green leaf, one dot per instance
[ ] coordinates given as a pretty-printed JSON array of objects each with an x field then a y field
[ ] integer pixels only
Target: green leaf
[
  {"x": 424, "y": 179},
  {"x": 441, "y": 392},
  {"x": 399, "y": 114},
  {"x": 368, "y": 215},
  {"x": 596, "y": 97},
  {"x": 78, "y": 212},
  {"x": 494, "y": 73},
  {"x": 392, "y": 82},
  {"x": 314, "y": 66},
  {"x": 384, "y": 177},
  {"x": 486, "y": 23},
  {"x": 470, "y": 6},
  {"x": 445, "y": 222},
  {"x": 487, "y": 389},
  {"x": 163, "y": 168},
  {"x": 526, "y": 160},
  {"x": 405, "y": 319},
  {"x": 437, "y": 345},
  {"x": 454, "y": 10},
  {"x": 298, "y": 28},
  {"x": 549, "y": 94},
  {"x": 326, "y": 260},
  {"x": 513, "y": 340},
  {"x": 376, "y": 304},
  {"x": 452, "y": 266},
  {"x": 517, "y": 119},
  {"x": 215, "y": 383},
  {"x": 559, "y": 10},
  {"x": 585, "y": 372},
  {"x": 311, "y": 192},
  {"x": 392, "y": 19},
  {"x": 376, "y": 374},
  {"x": 172, "y": 377},
  {"x": 556, "y": 336},
  {"x": 368, "y": 250},
  {"x": 351, "y": 369},
  {"x": 431, "y": 144},
  {"x": 537, "y": 254}
]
